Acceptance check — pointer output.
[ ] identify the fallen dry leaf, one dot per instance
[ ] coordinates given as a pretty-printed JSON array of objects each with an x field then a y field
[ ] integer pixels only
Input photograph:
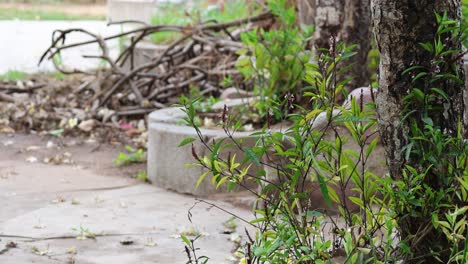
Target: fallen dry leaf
[
  {"x": 59, "y": 200},
  {"x": 39, "y": 226},
  {"x": 39, "y": 252},
  {"x": 6, "y": 130},
  {"x": 31, "y": 159},
  {"x": 8, "y": 143},
  {"x": 32, "y": 148},
  {"x": 72, "y": 251},
  {"x": 126, "y": 242}
]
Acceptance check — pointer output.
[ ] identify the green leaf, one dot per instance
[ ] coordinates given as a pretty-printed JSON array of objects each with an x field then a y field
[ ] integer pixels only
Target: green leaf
[
  {"x": 222, "y": 181},
  {"x": 348, "y": 245},
  {"x": 250, "y": 155},
  {"x": 404, "y": 247},
  {"x": 200, "y": 180},
  {"x": 366, "y": 251},
  {"x": 323, "y": 185},
  {"x": 419, "y": 76},
  {"x": 348, "y": 55},
  {"x": 442, "y": 93},
  {"x": 186, "y": 240},
  {"x": 418, "y": 94},
  {"x": 371, "y": 146},
  {"x": 56, "y": 133},
  {"x": 412, "y": 69},
  {"x": 408, "y": 150},
  {"x": 243, "y": 62},
  {"x": 428, "y": 121},
  {"x": 186, "y": 141},
  {"x": 258, "y": 220},
  {"x": 258, "y": 251},
  {"x": 313, "y": 214},
  {"x": 356, "y": 201},
  {"x": 427, "y": 46}
]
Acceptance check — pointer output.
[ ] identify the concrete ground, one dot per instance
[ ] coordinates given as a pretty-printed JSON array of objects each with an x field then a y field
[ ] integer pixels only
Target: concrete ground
[
  {"x": 45, "y": 208},
  {"x": 23, "y": 42}
]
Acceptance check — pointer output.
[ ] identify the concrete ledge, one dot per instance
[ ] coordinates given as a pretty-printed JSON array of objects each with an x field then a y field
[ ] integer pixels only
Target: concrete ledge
[
  {"x": 143, "y": 52},
  {"x": 141, "y": 10},
  {"x": 166, "y": 161}
]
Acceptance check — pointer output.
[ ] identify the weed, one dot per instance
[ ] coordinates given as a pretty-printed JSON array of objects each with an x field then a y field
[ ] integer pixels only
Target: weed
[
  {"x": 84, "y": 233},
  {"x": 58, "y": 76},
  {"x": 274, "y": 63},
  {"x": 35, "y": 250},
  {"x": 419, "y": 217},
  {"x": 231, "y": 223},
  {"x": 191, "y": 251},
  {"x": 172, "y": 14},
  {"x": 133, "y": 156},
  {"x": 142, "y": 176},
  {"x": 13, "y": 75}
]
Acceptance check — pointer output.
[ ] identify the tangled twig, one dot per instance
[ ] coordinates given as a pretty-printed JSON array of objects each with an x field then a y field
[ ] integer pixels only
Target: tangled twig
[{"x": 201, "y": 57}]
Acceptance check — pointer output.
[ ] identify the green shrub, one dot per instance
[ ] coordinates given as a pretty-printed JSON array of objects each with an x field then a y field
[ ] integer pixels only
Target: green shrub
[
  {"x": 13, "y": 75},
  {"x": 290, "y": 229},
  {"x": 373, "y": 217},
  {"x": 173, "y": 14},
  {"x": 133, "y": 156},
  {"x": 430, "y": 201},
  {"x": 274, "y": 62}
]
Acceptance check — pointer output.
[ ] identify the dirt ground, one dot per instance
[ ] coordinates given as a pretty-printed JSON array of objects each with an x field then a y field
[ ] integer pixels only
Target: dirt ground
[{"x": 51, "y": 210}]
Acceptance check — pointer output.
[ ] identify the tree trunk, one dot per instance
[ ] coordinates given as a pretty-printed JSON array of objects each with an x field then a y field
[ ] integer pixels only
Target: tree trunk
[
  {"x": 329, "y": 18},
  {"x": 357, "y": 30},
  {"x": 399, "y": 27},
  {"x": 306, "y": 11},
  {"x": 348, "y": 21}
]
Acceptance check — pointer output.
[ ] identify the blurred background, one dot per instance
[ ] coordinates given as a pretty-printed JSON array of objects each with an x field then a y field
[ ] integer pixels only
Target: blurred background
[{"x": 26, "y": 26}]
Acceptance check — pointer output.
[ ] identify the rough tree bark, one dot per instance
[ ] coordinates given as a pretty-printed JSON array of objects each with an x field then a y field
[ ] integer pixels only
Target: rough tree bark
[
  {"x": 357, "y": 30},
  {"x": 349, "y": 21},
  {"x": 399, "y": 27},
  {"x": 306, "y": 11},
  {"x": 329, "y": 18}
]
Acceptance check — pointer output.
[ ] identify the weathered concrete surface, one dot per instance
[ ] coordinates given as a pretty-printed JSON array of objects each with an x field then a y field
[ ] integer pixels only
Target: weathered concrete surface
[
  {"x": 45, "y": 201},
  {"x": 143, "y": 53},
  {"x": 166, "y": 160},
  {"x": 141, "y": 10},
  {"x": 23, "y": 42}
]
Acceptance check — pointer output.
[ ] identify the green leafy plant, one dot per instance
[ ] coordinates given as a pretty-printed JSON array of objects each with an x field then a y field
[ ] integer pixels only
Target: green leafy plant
[
  {"x": 191, "y": 251},
  {"x": 84, "y": 233},
  {"x": 13, "y": 75},
  {"x": 274, "y": 62},
  {"x": 300, "y": 163},
  {"x": 58, "y": 76},
  {"x": 378, "y": 219},
  {"x": 133, "y": 156},
  {"x": 201, "y": 104},
  {"x": 430, "y": 199},
  {"x": 174, "y": 14},
  {"x": 142, "y": 176}
]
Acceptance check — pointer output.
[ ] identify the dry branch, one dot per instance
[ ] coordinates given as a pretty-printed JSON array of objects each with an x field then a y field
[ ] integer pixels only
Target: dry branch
[{"x": 201, "y": 57}]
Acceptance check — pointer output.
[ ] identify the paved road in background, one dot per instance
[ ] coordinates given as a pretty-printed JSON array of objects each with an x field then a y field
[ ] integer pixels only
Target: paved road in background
[{"x": 23, "y": 42}]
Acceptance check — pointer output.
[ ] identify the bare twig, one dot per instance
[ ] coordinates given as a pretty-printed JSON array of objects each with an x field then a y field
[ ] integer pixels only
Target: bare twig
[{"x": 201, "y": 57}]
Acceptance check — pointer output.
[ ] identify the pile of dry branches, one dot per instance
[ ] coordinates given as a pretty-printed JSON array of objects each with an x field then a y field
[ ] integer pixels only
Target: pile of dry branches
[{"x": 202, "y": 56}]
